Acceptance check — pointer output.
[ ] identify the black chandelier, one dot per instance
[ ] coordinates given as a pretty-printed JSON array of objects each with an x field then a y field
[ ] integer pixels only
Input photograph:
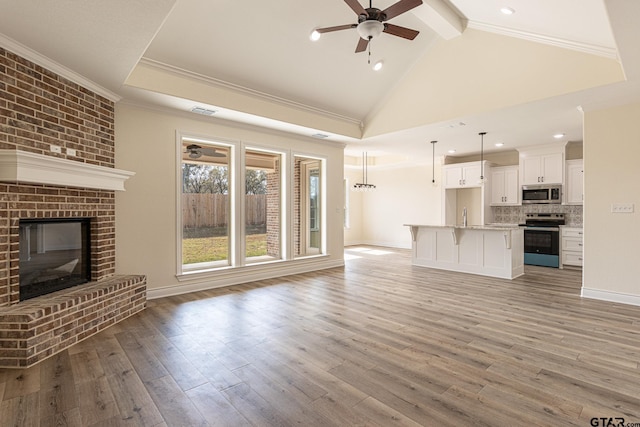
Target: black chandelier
[{"x": 364, "y": 186}]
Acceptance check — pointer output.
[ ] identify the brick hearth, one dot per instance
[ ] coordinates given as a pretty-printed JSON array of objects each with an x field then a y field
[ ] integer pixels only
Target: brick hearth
[
  {"x": 37, "y": 328},
  {"x": 38, "y": 109}
]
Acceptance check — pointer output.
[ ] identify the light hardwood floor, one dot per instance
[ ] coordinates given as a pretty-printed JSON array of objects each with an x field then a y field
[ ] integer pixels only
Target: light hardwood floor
[{"x": 378, "y": 343}]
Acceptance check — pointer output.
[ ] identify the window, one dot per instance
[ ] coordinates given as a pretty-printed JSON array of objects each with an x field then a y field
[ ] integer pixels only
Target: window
[
  {"x": 205, "y": 205},
  {"x": 347, "y": 201},
  {"x": 246, "y": 205},
  {"x": 308, "y": 206}
]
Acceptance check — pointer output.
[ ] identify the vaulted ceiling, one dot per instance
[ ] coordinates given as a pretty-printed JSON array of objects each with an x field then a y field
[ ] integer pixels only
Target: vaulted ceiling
[{"x": 520, "y": 77}]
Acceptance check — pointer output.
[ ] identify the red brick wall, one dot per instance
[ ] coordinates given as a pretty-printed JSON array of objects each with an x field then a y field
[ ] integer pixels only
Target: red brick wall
[
  {"x": 273, "y": 212},
  {"x": 296, "y": 206},
  {"x": 37, "y": 109}
]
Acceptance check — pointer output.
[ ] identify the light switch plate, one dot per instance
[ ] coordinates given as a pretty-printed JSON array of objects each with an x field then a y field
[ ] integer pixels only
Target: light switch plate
[{"x": 622, "y": 207}]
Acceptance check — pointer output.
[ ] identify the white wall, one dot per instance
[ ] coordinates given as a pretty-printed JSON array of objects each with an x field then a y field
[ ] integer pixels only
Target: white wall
[
  {"x": 353, "y": 234},
  {"x": 470, "y": 198},
  {"x": 612, "y": 175},
  {"x": 403, "y": 196},
  {"x": 146, "y": 228}
]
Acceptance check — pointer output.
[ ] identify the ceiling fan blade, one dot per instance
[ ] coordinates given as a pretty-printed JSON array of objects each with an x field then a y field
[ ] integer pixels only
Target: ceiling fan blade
[
  {"x": 400, "y": 7},
  {"x": 210, "y": 152},
  {"x": 336, "y": 28},
  {"x": 357, "y": 7},
  {"x": 362, "y": 45},
  {"x": 396, "y": 30}
]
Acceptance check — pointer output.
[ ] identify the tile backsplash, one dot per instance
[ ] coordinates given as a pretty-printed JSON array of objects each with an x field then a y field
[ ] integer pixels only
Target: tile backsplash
[{"x": 516, "y": 214}]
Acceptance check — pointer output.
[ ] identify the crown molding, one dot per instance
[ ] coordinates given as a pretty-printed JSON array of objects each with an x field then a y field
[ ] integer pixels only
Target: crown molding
[
  {"x": 607, "y": 52},
  {"x": 41, "y": 60},
  {"x": 24, "y": 166},
  {"x": 244, "y": 90},
  {"x": 228, "y": 122}
]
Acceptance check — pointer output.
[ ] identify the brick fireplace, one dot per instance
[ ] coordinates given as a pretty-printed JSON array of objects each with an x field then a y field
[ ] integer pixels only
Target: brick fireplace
[{"x": 64, "y": 134}]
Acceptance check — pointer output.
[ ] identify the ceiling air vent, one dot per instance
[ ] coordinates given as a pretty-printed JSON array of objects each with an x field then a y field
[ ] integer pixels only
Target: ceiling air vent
[
  {"x": 319, "y": 135},
  {"x": 203, "y": 111}
]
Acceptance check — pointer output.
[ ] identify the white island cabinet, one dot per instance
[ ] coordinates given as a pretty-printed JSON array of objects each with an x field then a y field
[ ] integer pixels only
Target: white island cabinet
[{"x": 496, "y": 251}]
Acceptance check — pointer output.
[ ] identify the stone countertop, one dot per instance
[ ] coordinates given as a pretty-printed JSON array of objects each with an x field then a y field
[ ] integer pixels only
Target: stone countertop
[{"x": 496, "y": 227}]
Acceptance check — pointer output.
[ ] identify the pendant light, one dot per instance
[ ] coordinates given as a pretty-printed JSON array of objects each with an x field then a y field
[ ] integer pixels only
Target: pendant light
[
  {"x": 364, "y": 185},
  {"x": 482, "y": 134},
  {"x": 433, "y": 163}
]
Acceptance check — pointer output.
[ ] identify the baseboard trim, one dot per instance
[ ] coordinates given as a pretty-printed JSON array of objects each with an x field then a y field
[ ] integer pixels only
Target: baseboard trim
[
  {"x": 396, "y": 245},
  {"x": 610, "y": 296},
  {"x": 236, "y": 276}
]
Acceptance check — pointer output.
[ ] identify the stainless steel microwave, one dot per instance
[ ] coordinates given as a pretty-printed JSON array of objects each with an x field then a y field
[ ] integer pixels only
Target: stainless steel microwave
[{"x": 541, "y": 194}]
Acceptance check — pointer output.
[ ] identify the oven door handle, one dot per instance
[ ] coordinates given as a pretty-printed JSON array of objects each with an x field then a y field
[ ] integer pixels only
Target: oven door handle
[{"x": 542, "y": 228}]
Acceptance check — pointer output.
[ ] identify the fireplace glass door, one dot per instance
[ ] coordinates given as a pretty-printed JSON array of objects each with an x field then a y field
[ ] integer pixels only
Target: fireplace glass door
[{"x": 54, "y": 255}]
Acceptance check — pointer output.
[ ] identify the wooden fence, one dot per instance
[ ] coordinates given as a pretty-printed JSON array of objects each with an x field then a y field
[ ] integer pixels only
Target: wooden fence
[{"x": 210, "y": 210}]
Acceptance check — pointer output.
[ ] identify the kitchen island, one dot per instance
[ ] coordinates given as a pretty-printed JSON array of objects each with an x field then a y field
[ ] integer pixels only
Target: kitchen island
[{"x": 487, "y": 250}]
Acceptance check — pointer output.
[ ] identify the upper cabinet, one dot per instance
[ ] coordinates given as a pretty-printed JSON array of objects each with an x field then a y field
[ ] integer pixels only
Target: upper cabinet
[
  {"x": 575, "y": 182},
  {"x": 462, "y": 188},
  {"x": 543, "y": 169},
  {"x": 505, "y": 189},
  {"x": 542, "y": 164},
  {"x": 462, "y": 175}
]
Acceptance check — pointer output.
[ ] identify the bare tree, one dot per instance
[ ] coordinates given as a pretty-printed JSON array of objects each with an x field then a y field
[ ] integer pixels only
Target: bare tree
[
  {"x": 198, "y": 178},
  {"x": 255, "y": 181}
]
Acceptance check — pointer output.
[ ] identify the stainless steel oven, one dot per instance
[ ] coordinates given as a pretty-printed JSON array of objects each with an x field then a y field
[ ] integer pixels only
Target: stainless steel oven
[{"x": 542, "y": 239}]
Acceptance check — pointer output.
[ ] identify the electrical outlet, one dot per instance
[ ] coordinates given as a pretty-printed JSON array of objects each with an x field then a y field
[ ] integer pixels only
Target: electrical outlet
[
  {"x": 71, "y": 151},
  {"x": 622, "y": 207},
  {"x": 55, "y": 148}
]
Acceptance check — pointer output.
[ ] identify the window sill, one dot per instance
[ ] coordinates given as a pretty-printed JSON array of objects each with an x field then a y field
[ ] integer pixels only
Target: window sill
[{"x": 239, "y": 271}]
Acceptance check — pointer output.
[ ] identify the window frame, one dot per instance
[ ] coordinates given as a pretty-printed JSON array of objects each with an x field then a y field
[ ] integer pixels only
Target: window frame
[{"x": 232, "y": 146}]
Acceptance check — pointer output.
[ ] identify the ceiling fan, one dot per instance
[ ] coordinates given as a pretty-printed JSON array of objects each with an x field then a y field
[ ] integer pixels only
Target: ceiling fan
[
  {"x": 196, "y": 151},
  {"x": 372, "y": 22}
]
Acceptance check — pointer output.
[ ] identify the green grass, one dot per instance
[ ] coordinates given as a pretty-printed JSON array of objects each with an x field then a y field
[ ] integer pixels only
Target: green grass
[{"x": 211, "y": 248}]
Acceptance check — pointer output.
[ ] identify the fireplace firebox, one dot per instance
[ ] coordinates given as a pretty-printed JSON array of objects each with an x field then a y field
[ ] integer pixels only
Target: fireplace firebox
[{"x": 54, "y": 255}]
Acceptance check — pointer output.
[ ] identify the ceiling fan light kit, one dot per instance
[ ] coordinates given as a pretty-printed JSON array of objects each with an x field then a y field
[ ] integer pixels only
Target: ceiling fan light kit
[{"x": 370, "y": 29}]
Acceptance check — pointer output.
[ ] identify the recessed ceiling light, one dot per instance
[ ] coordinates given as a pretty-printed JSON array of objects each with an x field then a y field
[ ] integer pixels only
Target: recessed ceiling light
[
  {"x": 378, "y": 66},
  {"x": 558, "y": 135},
  {"x": 507, "y": 10},
  {"x": 451, "y": 151},
  {"x": 315, "y": 36},
  {"x": 499, "y": 144}
]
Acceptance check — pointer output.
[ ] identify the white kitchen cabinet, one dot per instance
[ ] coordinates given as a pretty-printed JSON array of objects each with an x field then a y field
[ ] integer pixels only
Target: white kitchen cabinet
[
  {"x": 543, "y": 169},
  {"x": 462, "y": 175},
  {"x": 571, "y": 246},
  {"x": 575, "y": 182},
  {"x": 505, "y": 189}
]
